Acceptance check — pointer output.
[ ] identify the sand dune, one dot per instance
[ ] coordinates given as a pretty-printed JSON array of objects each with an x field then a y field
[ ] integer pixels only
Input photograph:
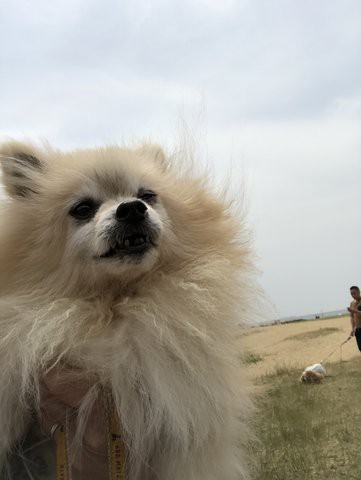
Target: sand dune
[{"x": 297, "y": 344}]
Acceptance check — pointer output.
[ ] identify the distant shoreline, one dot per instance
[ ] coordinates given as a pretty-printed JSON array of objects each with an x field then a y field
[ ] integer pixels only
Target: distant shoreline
[{"x": 304, "y": 318}]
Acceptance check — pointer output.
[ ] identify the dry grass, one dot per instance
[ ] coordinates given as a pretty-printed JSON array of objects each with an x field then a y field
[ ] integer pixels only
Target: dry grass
[
  {"x": 309, "y": 432},
  {"x": 321, "y": 332},
  {"x": 296, "y": 344}
]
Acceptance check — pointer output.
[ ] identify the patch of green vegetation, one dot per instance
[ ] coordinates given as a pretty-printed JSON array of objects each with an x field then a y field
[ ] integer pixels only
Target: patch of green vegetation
[
  {"x": 314, "y": 334},
  {"x": 309, "y": 431},
  {"x": 251, "y": 357}
]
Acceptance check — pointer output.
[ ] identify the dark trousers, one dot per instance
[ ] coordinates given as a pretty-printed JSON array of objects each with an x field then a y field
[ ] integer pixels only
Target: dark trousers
[{"x": 358, "y": 337}]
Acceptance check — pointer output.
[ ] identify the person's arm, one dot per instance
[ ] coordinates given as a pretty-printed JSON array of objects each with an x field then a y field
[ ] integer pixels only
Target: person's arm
[{"x": 351, "y": 309}]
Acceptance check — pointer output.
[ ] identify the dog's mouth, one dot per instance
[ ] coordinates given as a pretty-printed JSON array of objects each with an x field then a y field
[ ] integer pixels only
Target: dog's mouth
[{"x": 135, "y": 244}]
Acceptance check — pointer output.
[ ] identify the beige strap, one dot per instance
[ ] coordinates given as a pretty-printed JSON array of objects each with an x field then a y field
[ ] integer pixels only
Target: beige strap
[
  {"x": 62, "y": 464},
  {"x": 116, "y": 447}
]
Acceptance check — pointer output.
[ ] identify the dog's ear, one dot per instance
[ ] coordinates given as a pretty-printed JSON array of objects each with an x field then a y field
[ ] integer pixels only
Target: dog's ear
[
  {"x": 155, "y": 152},
  {"x": 21, "y": 168}
]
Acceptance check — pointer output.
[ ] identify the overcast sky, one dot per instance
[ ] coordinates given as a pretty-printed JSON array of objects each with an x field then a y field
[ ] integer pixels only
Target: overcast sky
[{"x": 271, "y": 87}]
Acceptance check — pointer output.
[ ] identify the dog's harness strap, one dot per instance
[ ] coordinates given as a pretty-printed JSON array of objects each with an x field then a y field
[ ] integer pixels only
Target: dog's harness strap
[
  {"x": 62, "y": 464},
  {"x": 116, "y": 446}
]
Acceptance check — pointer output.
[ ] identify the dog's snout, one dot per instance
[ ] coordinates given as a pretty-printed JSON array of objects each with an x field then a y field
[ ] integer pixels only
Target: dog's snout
[{"x": 131, "y": 211}]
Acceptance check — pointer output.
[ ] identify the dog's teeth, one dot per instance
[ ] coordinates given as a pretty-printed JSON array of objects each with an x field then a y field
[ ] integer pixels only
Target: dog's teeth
[{"x": 126, "y": 243}]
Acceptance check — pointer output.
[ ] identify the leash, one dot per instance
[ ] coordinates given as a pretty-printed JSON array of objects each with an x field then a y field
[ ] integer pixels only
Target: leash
[
  {"x": 338, "y": 347},
  {"x": 116, "y": 446},
  {"x": 62, "y": 464}
]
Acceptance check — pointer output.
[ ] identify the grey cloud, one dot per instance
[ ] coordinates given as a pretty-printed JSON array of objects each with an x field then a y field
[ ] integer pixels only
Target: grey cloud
[{"x": 263, "y": 60}]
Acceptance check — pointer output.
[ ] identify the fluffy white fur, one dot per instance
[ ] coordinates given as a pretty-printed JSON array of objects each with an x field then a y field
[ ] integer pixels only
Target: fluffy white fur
[
  {"x": 160, "y": 333},
  {"x": 313, "y": 374}
]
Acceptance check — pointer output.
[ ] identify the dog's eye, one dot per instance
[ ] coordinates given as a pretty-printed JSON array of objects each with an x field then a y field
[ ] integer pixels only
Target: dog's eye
[
  {"x": 84, "y": 210},
  {"x": 147, "y": 195}
]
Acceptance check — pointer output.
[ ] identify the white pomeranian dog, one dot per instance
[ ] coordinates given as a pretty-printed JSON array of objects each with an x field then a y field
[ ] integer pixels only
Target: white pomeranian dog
[{"x": 120, "y": 264}]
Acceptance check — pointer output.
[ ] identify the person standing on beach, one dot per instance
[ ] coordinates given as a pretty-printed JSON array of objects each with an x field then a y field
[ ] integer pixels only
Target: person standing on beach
[{"x": 355, "y": 313}]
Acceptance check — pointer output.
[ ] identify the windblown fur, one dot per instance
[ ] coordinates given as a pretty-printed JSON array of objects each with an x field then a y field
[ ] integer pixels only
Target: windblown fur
[{"x": 161, "y": 332}]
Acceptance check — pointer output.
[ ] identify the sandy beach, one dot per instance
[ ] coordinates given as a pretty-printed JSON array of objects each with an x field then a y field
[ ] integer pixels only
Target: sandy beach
[{"x": 297, "y": 344}]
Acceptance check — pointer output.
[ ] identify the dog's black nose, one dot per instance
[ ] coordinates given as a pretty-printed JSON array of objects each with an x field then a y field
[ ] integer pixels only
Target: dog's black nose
[{"x": 131, "y": 211}]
